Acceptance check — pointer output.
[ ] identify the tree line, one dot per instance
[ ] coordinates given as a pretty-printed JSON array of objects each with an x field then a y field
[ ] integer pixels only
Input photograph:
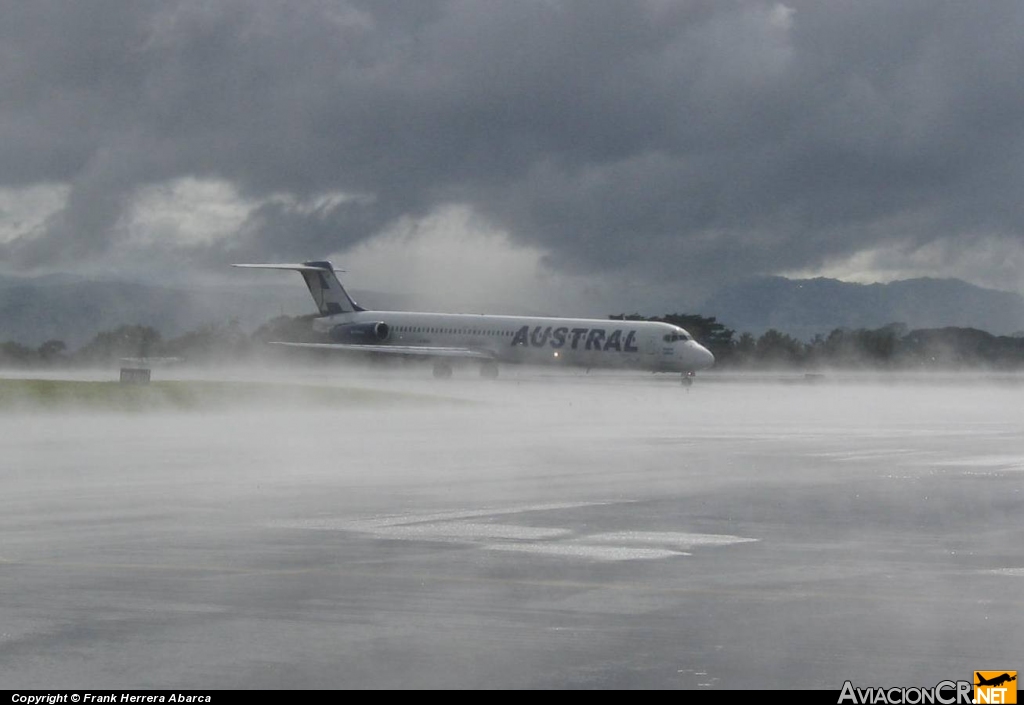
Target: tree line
[
  {"x": 209, "y": 343},
  {"x": 893, "y": 346},
  {"x": 889, "y": 347}
]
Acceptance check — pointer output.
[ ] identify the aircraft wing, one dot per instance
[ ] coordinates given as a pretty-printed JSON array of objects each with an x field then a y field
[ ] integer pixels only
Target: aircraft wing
[
  {"x": 422, "y": 350},
  {"x": 304, "y": 267}
]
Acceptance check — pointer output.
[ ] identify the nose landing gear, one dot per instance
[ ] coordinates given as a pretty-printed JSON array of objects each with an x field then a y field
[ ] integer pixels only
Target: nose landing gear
[{"x": 688, "y": 378}]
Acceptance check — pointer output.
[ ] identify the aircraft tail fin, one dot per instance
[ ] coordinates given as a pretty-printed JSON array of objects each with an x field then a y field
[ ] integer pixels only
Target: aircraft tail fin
[{"x": 327, "y": 292}]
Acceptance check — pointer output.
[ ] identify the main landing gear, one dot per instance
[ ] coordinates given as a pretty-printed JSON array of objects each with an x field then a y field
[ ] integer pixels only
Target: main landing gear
[{"x": 443, "y": 370}]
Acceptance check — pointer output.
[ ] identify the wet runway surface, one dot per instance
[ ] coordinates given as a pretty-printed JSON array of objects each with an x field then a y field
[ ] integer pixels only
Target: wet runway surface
[{"x": 585, "y": 531}]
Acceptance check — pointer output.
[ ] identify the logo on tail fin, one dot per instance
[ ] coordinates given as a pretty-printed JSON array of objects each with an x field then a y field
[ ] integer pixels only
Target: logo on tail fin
[{"x": 328, "y": 293}]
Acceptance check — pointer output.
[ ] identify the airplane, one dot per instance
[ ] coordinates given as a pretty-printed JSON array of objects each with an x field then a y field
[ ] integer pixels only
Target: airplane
[
  {"x": 996, "y": 681},
  {"x": 491, "y": 340}
]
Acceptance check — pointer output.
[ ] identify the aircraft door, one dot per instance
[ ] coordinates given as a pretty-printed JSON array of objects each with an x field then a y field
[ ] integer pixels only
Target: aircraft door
[{"x": 650, "y": 346}]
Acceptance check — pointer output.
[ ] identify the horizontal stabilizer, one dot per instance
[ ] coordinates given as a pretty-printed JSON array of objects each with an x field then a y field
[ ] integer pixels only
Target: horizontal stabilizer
[{"x": 303, "y": 267}]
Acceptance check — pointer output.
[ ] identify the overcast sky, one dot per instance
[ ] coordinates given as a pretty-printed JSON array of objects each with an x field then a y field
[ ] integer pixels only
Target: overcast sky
[{"x": 547, "y": 153}]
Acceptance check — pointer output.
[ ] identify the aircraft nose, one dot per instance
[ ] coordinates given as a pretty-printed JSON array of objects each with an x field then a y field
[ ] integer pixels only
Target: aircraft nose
[{"x": 703, "y": 357}]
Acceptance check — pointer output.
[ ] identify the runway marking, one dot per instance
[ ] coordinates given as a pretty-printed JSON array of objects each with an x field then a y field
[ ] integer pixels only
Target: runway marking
[
  {"x": 757, "y": 592},
  {"x": 582, "y": 550},
  {"x": 678, "y": 540},
  {"x": 872, "y": 454},
  {"x": 1001, "y": 463},
  {"x": 451, "y": 527},
  {"x": 335, "y": 524},
  {"x": 465, "y": 531}
]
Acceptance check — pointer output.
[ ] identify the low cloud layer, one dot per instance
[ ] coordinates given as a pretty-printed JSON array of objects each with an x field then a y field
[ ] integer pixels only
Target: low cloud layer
[{"x": 681, "y": 143}]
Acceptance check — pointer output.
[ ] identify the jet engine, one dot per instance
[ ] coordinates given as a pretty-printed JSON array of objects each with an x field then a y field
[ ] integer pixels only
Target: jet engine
[{"x": 365, "y": 333}]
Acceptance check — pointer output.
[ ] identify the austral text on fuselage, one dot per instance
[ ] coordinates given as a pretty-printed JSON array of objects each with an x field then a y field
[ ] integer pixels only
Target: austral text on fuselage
[{"x": 574, "y": 338}]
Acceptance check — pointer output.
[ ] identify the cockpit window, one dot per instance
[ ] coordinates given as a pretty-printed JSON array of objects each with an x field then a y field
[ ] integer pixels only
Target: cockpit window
[{"x": 679, "y": 335}]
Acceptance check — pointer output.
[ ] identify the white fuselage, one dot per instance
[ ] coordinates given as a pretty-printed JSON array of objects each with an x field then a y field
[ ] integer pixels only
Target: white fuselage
[{"x": 583, "y": 342}]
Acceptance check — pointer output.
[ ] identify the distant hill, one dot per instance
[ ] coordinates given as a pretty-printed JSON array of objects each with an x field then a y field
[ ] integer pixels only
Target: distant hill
[
  {"x": 72, "y": 309},
  {"x": 68, "y": 308},
  {"x": 805, "y": 307}
]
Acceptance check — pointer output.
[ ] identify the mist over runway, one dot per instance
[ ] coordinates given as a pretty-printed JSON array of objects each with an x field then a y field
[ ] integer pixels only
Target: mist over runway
[{"x": 536, "y": 531}]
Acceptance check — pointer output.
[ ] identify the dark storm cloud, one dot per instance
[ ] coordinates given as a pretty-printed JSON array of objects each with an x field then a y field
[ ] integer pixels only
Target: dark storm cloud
[{"x": 727, "y": 138}]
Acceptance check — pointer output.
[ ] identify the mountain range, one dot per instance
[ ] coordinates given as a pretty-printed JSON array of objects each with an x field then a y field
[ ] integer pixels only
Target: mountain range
[
  {"x": 804, "y": 308},
  {"x": 63, "y": 307}
]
